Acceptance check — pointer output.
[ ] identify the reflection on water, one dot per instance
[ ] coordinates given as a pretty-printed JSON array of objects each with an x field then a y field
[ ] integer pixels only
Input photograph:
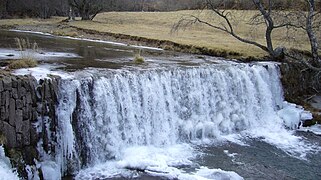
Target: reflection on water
[
  {"x": 91, "y": 54},
  {"x": 97, "y": 54}
]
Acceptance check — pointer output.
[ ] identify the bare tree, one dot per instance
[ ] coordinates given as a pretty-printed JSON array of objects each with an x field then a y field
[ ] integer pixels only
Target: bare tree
[
  {"x": 311, "y": 18},
  {"x": 310, "y": 22},
  {"x": 265, "y": 16},
  {"x": 87, "y": 9},
  {"x": 306, "y": 16},
  {"x": 3, "y": 8}
]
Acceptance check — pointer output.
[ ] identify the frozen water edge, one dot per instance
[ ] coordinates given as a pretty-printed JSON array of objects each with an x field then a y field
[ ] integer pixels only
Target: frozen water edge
[
  {"x": 42, "y": 72},
  {"x": 316, "y": 129},
  {"x": 14, "y": 54},
  {"x": 91, "y": 40},
  {"x": 6, "y": 171}
]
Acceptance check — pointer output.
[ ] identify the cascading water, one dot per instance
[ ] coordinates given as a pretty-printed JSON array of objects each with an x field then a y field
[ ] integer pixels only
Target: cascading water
[
  {"x": 149, "y": 119},
  {"x": 6, "y": 171}
]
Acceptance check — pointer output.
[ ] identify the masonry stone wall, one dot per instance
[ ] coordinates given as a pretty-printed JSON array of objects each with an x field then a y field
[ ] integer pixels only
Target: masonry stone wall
[{"x": 24, "y": 106}]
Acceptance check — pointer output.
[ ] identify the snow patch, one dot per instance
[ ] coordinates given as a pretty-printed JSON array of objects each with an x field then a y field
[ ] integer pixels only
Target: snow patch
[{"x": 42, "y": 72}]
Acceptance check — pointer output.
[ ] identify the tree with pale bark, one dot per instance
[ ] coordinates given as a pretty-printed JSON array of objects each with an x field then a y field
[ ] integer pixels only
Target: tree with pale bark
[{"x": 306, "y": 17}]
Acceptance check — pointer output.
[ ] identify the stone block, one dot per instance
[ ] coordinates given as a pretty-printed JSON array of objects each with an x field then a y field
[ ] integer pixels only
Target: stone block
[
  {"x": 19, "y": 104},
  {"x": 4, "y": 114},
  {"x": 19, "y": 87},
  {"x": 1, "y": 86},
  {"x": 29, "y": 98},
  {"x": 19, "y": 142},
  {"x": 12, "y": 111},
  {"x": 26, "y": 133},
  {"x": 19, "y": 123},
  {"x": 34, "y": 138},
  {"x": 14, "y": 93},
  {"x": 10, "y": 134},
  {"x": 6, "y": 97},
  {"x": 24, "y": 101},
  {"x": 7, "y": 83},
  {"x": 26, "y": 112},
  {"x": 22, "y": 92},
  {"x": 14, "y": 82},
  {"x": 34, "y": 115},
  {"x": 1, "y": 127}
]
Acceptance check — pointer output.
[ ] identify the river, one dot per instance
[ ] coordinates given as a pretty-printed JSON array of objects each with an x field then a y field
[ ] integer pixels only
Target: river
[{"x": 172, "y": 117}]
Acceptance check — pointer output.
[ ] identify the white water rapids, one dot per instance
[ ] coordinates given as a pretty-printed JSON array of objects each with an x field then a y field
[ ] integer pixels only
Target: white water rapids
[{"x": 114, "y": 121}]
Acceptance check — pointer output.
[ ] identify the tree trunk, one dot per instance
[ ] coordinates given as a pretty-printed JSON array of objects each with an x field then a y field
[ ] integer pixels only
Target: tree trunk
[
  {"x": 311, "y": 34},
  {"x": 71, "y": 14},
  {"x": 85, "y": 16}
]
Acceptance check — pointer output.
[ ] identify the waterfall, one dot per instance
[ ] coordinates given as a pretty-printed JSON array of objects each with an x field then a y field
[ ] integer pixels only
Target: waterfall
[{"x": 108, "y": 111}]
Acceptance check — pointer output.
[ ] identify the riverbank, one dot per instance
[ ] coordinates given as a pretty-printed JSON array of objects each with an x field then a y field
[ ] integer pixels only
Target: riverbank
[{"x": 154, "y": 29}]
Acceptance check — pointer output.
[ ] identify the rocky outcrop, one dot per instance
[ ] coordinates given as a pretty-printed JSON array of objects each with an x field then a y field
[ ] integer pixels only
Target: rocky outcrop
[
  {"x": 27, "y": 114},
  {"x": 301, "y": 84}
]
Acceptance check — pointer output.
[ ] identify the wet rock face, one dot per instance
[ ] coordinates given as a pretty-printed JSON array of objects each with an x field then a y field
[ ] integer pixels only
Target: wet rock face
[
  {"x": 24, "y": 102},
  {"x": 299, "y": 83}
]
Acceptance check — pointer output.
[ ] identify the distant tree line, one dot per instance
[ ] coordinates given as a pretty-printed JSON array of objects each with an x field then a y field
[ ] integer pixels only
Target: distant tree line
[
  {"x": 48, "y": 8},
  {"x": 88, "y": 8}
]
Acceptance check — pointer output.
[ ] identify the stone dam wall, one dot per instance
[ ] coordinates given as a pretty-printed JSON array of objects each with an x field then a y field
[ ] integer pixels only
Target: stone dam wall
[
  {"x": 24, "y": 104},
  {"x": 28, "y": 106}
]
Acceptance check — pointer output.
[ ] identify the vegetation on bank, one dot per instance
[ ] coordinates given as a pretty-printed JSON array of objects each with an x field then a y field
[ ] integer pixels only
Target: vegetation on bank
[{"x": 22, "y": 63}]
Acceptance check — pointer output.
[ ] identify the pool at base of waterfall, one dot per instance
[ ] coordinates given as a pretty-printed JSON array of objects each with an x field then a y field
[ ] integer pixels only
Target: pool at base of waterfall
[{"x": 233, "y": 157}]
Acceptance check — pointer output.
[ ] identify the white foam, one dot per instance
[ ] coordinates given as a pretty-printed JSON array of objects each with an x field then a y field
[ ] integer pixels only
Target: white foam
[
  {"x": 154, "y": 161},
  {"x": 316, "y": 129},
  {"x": 6, "y": 171},
  {"x": 217, "y": 174}
]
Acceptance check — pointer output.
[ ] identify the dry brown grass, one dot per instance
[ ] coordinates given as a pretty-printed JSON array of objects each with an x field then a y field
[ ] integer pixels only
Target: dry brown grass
[
  {"x": 22, "y": 63},
  {"x": 30, "y": 21},
  {"x": 158, "y": 25}
]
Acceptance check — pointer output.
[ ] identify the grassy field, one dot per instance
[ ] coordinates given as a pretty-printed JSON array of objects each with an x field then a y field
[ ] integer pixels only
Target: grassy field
[{"x": 158, "y": 25}]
